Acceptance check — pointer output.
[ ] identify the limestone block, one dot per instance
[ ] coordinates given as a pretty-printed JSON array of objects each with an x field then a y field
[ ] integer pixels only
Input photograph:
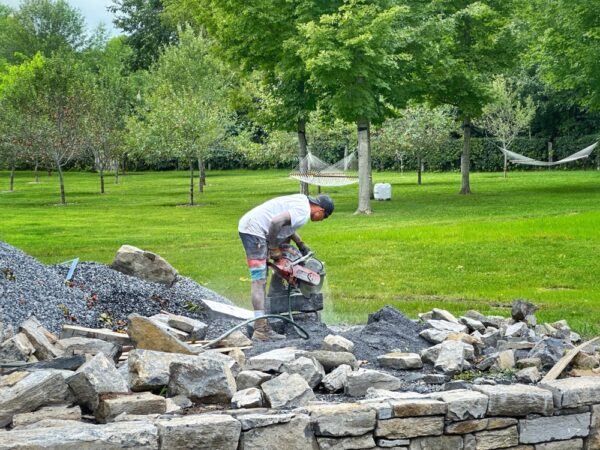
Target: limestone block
[
  {"x": 410, "y": 427},
  {"x": 517, "y": 329},
  {"x": 235, "y": 339},
  {"x": 417, "y": 407},
  {"x": 442, "y": 314},
  {"x": 141, "y": 403},
  {"x": 393, "y": 443},
  {"x": 59, "y": 412},
  {"x": 586, "y": 361},
  {"x": 81, "y": 346},
  {"x": 517, "y": 400},
  {"x": 287, "y": 391},
  {"x": 247, "y": 398},
  {"x": 16, "y": 348},
  {"x": 195, "y": 328},
  {"x": 574, "y": 392},
  {"x": 593, "y": 441},
  {"x": 97, "y": 376},
  {"x": 571, "y": 444},
  {"x": 463, "y": 404},
  {"x": 258, "y": 420},
  {"x": 472, "y": 324},
  {"x": 308, "y": 368},
  {"x": 452, "y": 356},
  {"x": 434, "y": 336},
  {"x": 437, "y": 443},
  {"x": 505, "y": 360},
  {"x": 142, "y": 264},
  {"x": 444, "y": 325},
  {"x": 359, "y": 381},
  {"x": 41, "y": 339},
  {"x": 271, "y": 361},
  {"x": 293, "y": 435},
  {"x": 149, "y": 369},
  {"x": 340, "y": 420},
  {"x": 94, "y": 333},
  {"x": 335, "y": 380},
  {"x": 145, "y": 333},
  {"x": 492, "y": 440},
  {"x": 528, "y": 375},
  {"x": 529, "y": 362},
  {"x": 331, "y": 360},
  {"x": 335, "y": 343},
  {"x": 521, "y": 309},
  {"x": 251, "y": 378},
  {"x": 346, "y": 443},
  {"x": 77, "y": 435},
  {"x": 542, "y": 429},
  {"x": 204, "y": 380},
  {"x": 549, "y": 350},
  {"x": 205, "y": 431},
  {"x": 466, "y": 426},
  {"x": 400, "y": 361}
]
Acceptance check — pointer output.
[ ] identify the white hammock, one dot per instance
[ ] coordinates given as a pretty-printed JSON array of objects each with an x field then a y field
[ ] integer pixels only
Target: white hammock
[
  {"x": 312, "y": 170},
  {"x": 520, "y": 159}
]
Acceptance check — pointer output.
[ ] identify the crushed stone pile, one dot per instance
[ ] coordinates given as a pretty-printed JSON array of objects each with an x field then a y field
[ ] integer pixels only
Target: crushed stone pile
[{"x": 97, "y": 297}]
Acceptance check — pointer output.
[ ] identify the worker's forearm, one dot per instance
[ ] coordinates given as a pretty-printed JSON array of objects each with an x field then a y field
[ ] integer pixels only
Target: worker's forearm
[{"x": 296, "y": 238}]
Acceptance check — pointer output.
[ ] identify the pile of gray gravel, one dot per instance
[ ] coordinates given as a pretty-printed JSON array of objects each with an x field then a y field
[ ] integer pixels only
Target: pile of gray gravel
[{"x": 98, "y": 296}]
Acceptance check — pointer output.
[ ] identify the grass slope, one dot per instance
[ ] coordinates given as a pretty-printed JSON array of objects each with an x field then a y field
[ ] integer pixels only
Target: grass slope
[{"x": 534, "y": 235}]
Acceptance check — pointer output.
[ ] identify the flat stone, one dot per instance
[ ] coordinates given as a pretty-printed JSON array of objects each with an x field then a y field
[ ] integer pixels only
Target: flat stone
[
  {"x": 434, "y": 336},
  {"x": 247, "y": 398},
  {"x": 335, "y": 343},
  {"x": 410, "y": 427},
  {"x": 466, "y": 426},
  {"x": 528, "y": 375},
  {"x": 79, "y": 435},
  {"x": 296, "y": 434},
  {"x": 571, "y": 444},
  {"x": 162, "y": 320},
  {"x": 82, "y": 346},
  {"x": 400, "y": 361},
  {"x": 445, "y": 325},
  {"x": 16, "y": 348},
  {"x": 143, "y": 264},
  {"x": 393, "y": 443},
  {"x": 586, "y": 361},
  {"x": 505, "y": 360},
  {"x": 496, "y": 439},
  {"x": 308, "y": 368},
  {"x": 205, "y": 380},
  {"x": 60, "y": 412},
  {"x": 359, "y": 381},
  {"x": 287, "y": 391},
  {"x": 330, "y": 360},
  {"x": 442, "y": 314},
  {"x": 149, "y": 369},
  {"x": 41, "y": 339},
  {"x": 94, "y": 333},
  {"x": 549, "y": 350},
  {"x": 218, "y": 310},
  {"x": 452, "y": 356},
  {"x": 203, "y": 431},
  {"x": 517, "y": 400},
  {"x": 195, "y": 328},
  {"x": 257, "y": 420},
  {"x": 543, "y": 429},
  {"x": 437, "y": 443},
  {"x": 141, "y": 403},
  {"x": 346, "y": 443},
  {"x": 251, "y": 378},
  {"x": 593, "y": 441},
  {"x": 342, "y": 420},
  {"x": 335, "y": 380},
  {"x": 271, "y": 361},
  {"x": 97, "y": 376},
  {"x": 146, "y": 334},
  {"x": 529, "y": 362},
  {"x": 417, "y": 407},
  {"x": 235, "y": 339},
  {"x": 574, "y": 392},
  {"x": 472, "y": 324},
  {"x": 463, "y": 404}
]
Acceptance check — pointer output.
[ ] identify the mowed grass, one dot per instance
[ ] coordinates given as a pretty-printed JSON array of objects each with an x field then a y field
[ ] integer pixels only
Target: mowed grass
[{"x": 535, "y": 235}]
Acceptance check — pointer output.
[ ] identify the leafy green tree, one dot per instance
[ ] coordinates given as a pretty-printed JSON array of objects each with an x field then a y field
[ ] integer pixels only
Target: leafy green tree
[
  {"x": 467, "y": 43},
  {"x": 146, "y": 27},
  {"x": 507, "y": 116},
  {"x": 185, "y": 111},
  {"x": 357, "y": 56},
  {"x": 44, "y": 26}
]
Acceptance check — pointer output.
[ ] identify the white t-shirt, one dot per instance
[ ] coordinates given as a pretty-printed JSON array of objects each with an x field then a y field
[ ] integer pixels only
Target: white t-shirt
[{"x": 257, "y": 220}]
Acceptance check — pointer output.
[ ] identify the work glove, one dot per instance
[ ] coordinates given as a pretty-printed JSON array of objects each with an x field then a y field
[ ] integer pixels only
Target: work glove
[
  {"x": 304, "y": 249},
  {"x": 275, "y": 253}
]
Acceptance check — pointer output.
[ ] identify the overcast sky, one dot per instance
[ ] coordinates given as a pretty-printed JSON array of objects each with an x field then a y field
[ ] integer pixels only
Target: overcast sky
[{"x": 94, "y": 12}]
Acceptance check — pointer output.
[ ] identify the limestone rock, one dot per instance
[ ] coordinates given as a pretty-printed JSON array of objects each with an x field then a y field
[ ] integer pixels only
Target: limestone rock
[
  {"x": 463, "y": 404},
  {"x": 146, "y": 334},
  {"x": 505, "y": 360},
  {"x": 271, "y": 361},
  {"x": 543, "y": 429},
  {"x": 204, "y": 380},
  {"x": 247, "y": 398},
  {"x": 442, "y": 314},
  {"x": 78, "y": 435},
  {"x": 434, "y": 336},
  {"x": 308, "y": 368},
  {"x": 235, "y": 339},
  {"x": 335, "y": 343},
  {"x": 346, "y": 443},
  {"x": 97, "y": 376},
  {"x": 586, "y": 361},
  {"x": 517, "y": 400},
  {"x": 417, "y": 407},
  {"x": 517, "y": 329},
  {"x": 330, "y": 360},
  {"x": 205, "y": 431},
  {"x": 42, "y": 340},
  {"x": 529, "y": 362},
  {"x": 195, "y": 328},
  {"x": 287, "y": 391},
  {"x": 472, "y": 324},
  {"x": 410, "y": 427},
  {"x": 295, "y": 434},
  {"x": 492, "y": 440},
  {"x": 335, "y": 380},
  {"x": 149, "y": 369},
  {"x": 81, "y": 346},
  {"x": 58, "y": 412},
  {"x": 594, "y": 438},
  {"x": 574, "y": 392},
  {"x": 31, "y": 391},
  {"x": 341, "y": 420},
  {"x": 148, "y": 266},
  {"x": 400, "y": 361},
  {"x": 452, "y": 357},
  {"x": 251, "y": 378},
  {"x": 141, "y": 403},
  {"x": 260, "y": 420},
  {"x": 549, "y": 350},
  {"x": 528, "y": 375},
  {"x": 521, "y": 309},
  {"x": 16, "y": 348},
  {"x": 359, "y": 381},
  {"x": 437, "y": 443},
  {"x": 444, "y": 325}
]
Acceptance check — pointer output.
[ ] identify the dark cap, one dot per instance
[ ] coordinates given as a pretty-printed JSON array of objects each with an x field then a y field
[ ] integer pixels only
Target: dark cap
[{"x": 325, "y": 202}]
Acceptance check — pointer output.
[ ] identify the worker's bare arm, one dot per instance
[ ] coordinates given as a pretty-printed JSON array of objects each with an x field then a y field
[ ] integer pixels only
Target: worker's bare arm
[{"x": 278, "y": 222}]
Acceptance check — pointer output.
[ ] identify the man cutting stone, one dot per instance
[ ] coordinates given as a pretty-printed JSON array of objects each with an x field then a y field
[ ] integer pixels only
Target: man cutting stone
[{"x": 263, "y": 230}]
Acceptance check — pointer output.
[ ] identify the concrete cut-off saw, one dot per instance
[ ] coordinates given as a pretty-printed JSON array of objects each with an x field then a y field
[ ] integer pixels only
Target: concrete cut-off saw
[{"x": 304, "y": 272}]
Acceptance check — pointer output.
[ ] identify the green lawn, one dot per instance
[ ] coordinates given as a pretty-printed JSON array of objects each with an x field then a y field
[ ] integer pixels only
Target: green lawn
[{"x": 534, "y": 235}]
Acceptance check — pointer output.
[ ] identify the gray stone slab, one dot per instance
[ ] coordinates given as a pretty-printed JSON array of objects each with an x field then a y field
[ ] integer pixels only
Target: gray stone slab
[
  {"x": 202, "y": 432},
  {"x": 517, "y": 400},
  {"x": 340, "y": 420},
  {"x": 534, "y": 431},
  {"x": 410, "y": 427},
  {"x": 574, "y": 392}
]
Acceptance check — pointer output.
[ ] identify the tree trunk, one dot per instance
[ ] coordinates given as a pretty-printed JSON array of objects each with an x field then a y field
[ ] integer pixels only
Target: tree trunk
[
  {"x": 302, "y": 152},
  {"x": 191, "y": 182},
  {"x": 202, "y": 177},
  {"x": 364, "y": 168},
  {"x": 419, "y": 170},
  {"x": 12, "y": 177},
  {"x": 49, "y": 170},
  {"x": 117, "y": 172},
  {"x": 35, "y": 172},
  {"x": 63, "y": 199},
  {"x": 101, "y": 180},
  {"x": 505, "y": 165},
  {"x": 465, "y": 159}
]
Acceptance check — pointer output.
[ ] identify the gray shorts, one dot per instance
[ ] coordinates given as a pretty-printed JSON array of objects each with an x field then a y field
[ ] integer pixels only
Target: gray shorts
[{"x": 256, "y": 255}]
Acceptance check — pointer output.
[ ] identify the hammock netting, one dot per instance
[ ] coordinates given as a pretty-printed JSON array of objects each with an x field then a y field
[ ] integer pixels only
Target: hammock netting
[
  {"x": 313, "y": 170},
  {"x": 520, "y": 159}
]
